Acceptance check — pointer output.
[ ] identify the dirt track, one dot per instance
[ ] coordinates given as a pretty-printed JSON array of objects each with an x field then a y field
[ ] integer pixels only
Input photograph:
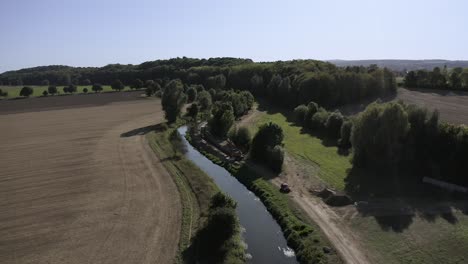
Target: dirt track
[{"x": 74, "y": 190}]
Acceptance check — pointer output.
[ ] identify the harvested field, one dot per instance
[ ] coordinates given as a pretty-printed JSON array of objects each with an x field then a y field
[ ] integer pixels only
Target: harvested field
[
  {"x": 453, "y": 106},
  {"x": 81, "y": 185}
]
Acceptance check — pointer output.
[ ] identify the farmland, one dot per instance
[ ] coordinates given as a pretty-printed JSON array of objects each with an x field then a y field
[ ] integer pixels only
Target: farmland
[
  {"x": 81, "y": 185},
  {"x": 14, "y": 91}
]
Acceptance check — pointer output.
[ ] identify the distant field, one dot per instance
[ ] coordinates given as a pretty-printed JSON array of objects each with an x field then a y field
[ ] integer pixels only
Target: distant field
[
  {"x": 333, "y": 166},
  {"x": 14, "y": 91}
]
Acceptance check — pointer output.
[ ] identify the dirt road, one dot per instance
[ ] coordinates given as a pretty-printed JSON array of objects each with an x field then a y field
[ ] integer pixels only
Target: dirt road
[
  {"x": 345, "y": 242},
  {"x": 74, "y": 190}
]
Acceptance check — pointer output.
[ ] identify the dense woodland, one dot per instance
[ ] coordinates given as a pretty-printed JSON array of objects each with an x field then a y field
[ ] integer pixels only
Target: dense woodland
[
  {"x": 289, "y": 83},
  {"x": 455, "y": 79}
]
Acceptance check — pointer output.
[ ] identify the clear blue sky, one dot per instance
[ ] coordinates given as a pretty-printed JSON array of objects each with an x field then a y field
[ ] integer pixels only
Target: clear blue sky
[{"x": 99, "y": 32}]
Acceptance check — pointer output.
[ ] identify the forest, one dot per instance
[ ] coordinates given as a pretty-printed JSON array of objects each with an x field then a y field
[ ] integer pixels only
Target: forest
[
  {"x": 286, "y": 82},
  {"x": 455, "y": 79}
]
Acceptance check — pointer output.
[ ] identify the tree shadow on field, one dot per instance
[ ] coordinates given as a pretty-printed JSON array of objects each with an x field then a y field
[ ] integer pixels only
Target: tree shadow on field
[
  {"x": 144, "y": 130},
  {"x": 394, "y": 202}
]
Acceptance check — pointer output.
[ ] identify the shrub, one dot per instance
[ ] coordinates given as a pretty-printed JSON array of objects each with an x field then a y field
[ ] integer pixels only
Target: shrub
[
  {"x": 222, "y": 200},
  {"x": 45, "y": 93},
  {"x": 117, "y": 85},
  {"x": 85, "y": 90},
  {"x": 300, "y": 113}
]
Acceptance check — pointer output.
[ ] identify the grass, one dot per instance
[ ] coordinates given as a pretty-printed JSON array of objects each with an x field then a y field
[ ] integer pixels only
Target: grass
[
  {"x": 14, "y": 91},
  {"x": 195, "y": 188},
  {"x": 333, "y": 166},
  {"x": 423, "y": 240},
  {"x": 437, "y": 241},
  {"x": 301, "y": 236}
]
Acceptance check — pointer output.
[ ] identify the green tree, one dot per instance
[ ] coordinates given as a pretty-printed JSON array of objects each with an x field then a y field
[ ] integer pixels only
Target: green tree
[
  {"x": 377, "y": 135},
  {"x": 193, "y": 110},
  {"x": 173, "y": 99},
  {"x": 45, "y": 93},
  {"x": 333, "y": 124},
  {"x": 241, "y": 137},
  {"x": 137, "y": 84},
  {"x": 204, "y": 100},
  {"x": 263, "y": 150},
  {"x": 52, "y": 90},
  {"x": 191, "y": 94},
  {"x": 300, "y": 114},
  {"x": 345, "y": 134},
  {"x": 45, "y": 82},
  {"x": 97, "y": 87},
  {"x": 26, "y": 91},
  {"x": 117, "y": 85},
  {"x": 222, "y": 119},
  {"x": 85, "y": 90},
  {"x": 86, "y": 82}
]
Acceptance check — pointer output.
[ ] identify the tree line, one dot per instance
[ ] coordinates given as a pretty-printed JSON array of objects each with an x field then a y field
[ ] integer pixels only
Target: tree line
[
  {"x": 455, "y": 79},
  {"x": 288, "y": 83}
]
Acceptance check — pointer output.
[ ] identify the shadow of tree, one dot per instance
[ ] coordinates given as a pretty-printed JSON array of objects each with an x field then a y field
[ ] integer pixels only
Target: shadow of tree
[
  {"x": 144, "y": 130},
  {"x": 394, "y": 202}
]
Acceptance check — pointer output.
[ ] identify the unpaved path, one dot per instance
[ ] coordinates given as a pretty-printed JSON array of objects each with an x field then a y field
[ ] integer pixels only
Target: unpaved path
[
  {"x": 345, "y": 242},
  {"x": 73, "y": 190}
]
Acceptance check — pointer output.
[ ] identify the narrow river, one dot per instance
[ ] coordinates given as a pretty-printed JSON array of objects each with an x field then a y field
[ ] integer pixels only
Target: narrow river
[{"x": 263, "y": 236}]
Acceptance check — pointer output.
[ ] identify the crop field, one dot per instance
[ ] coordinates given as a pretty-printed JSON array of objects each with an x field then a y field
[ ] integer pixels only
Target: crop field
[
  {"x": 80, "y": 184},
  {"x": 14, "y": 91}
]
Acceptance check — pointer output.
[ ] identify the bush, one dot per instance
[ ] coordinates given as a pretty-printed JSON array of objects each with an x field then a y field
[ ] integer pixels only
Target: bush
[
  {"x": 85, "y": 90},
  {"x": 45, "y": 93},
  {"x": 300, "y": 113},
  {"x": 26, "y": 91},
  {"x": 333, "y": 125},
  {"x": 3, "y": 94}
]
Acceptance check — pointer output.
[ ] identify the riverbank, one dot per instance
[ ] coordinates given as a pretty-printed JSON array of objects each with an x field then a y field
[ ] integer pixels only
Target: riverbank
[
  {"x": 196, "y": 190},
  {"x": 300, "y": 235}
]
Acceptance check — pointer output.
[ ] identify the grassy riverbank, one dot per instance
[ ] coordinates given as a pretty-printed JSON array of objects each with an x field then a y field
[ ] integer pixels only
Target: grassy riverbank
[
  {"x": 300, "y": 235},
  {"x": 196, "y": 190}
]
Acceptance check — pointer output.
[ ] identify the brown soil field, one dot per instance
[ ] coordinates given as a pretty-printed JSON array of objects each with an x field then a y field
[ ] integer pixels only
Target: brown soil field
[
  {"x": 81, "y": 185},
  {"x": 452, "y": 106}
]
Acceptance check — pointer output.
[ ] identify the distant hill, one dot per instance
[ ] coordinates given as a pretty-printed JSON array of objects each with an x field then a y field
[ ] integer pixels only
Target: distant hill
[{"x": 403, "y": 65}]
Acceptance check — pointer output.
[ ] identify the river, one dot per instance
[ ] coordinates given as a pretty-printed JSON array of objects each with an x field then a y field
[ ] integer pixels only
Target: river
[{"x": 263, "y": 236}]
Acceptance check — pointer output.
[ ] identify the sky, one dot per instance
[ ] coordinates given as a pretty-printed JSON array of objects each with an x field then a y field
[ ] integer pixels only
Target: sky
[{"x": 100, "y": 32}]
